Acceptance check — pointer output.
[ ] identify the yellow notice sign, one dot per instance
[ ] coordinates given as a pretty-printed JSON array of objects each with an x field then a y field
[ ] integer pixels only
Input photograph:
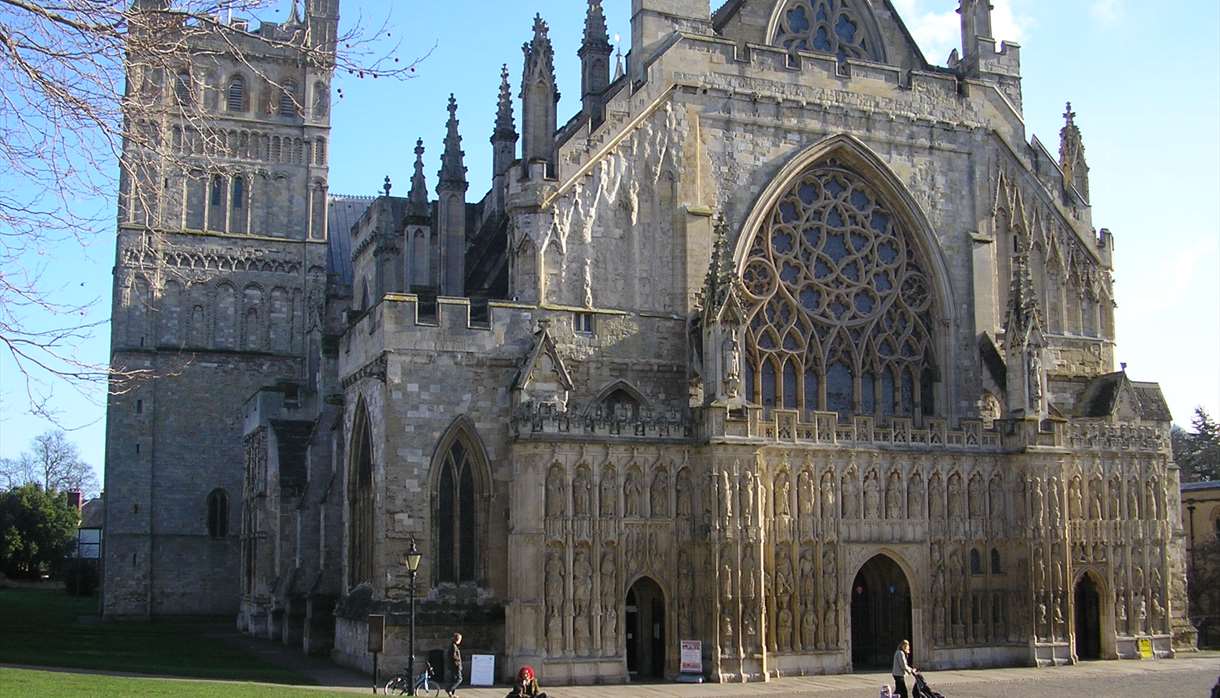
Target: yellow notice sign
[{"x": 1145, "y": 646}]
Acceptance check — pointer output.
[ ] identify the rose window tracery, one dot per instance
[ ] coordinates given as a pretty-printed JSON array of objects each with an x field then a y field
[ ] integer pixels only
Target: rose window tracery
[
  {"x": 827, "y": 26},
  {"x": 839, "y": 308}
]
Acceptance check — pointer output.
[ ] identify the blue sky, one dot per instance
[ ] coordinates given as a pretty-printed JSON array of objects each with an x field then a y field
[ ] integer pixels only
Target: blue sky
[{"x": 1145, "y": 85}]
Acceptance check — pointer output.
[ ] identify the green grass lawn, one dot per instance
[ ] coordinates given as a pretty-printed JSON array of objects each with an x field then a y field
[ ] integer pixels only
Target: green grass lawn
[
  {"x": 20, "y": 683},
  {"x": 44, "y": 628}
]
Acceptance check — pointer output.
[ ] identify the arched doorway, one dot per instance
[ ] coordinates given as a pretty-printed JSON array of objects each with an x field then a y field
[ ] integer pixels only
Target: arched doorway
[
  {"x": 1088, "y": 619},
  {"x": 645, "y": 630},
  {"x": 880, "y": 613}
]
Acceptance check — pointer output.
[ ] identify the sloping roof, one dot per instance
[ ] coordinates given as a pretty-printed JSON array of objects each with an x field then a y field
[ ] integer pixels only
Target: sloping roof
[
  {"x": 342, "y": 213},
  {"x": 1152, "y": 402},
  {"x": 93, "y": 513},
  {"x": 487, "y": 259},
  {"x": 1100, "y": 398},
  {"x": 1197, "y": 486}
]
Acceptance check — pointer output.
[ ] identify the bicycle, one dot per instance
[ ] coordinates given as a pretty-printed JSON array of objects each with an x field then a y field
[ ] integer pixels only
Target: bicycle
[{"x": 426, "y": 681}]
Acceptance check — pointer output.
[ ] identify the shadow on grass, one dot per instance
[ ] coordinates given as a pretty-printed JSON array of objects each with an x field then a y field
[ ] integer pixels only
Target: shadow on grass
[{"x": 50, "y": 628}]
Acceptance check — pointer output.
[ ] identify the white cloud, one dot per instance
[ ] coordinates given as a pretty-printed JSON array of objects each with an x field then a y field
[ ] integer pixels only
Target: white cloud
[
  {"x": 1108, "y": 11},
  {"x": 939, "y": 32}
]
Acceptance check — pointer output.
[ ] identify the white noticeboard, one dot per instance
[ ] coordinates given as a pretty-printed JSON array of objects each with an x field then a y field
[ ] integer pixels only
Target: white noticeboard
[
  {"x": 482, "y": 670},
  {"x": 691, "y": 657}
]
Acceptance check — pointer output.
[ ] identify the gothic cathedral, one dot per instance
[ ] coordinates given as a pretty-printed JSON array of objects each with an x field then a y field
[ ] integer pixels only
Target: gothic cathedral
[{"x": 789, "y": 342}]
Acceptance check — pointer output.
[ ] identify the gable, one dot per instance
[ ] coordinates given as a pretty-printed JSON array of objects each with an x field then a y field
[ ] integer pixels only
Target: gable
[{"x": 853, "y": 29}]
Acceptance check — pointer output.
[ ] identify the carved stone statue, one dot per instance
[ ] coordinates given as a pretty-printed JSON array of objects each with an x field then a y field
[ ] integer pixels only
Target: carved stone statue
[
  {"x": 1133, "y": 501},
  {"x": 609, "y": 493},
  {"x": 633, "y": 492},
  {"x": 851, "y": 496},
  {"x": 609, "y": 629},
  {"x": 915, "y": 509},
  {"x": 659, "y": 496},
  {"x": 747, "y": 496},
  {"x": 726, "y": 497},
  {"x": 732, "y": 364},
  {"x": 1035, "y": 380},
  {"x": 1095, "y": 491},
  {"x": 893, "y": 497},
  {"x": 609, "y": 571},
  {"x": 828, "y": 497},
  {"x": 955, "y": 497},
  {"x": 782, "y": 494},
  {"x": 830, "y": 623},
  {"x": 1055, "y": 494},
  {"x": 783, "y": 629},
  {"x": 809, "y": 629},
  {"x": 1036, "y": 513},
  {"x": 1075, "y": 501},
  {"x": 581, "y": 493},
  {"x": 783, "y": 575},
  {"x": 975, "y": 494},
  {"x": 726, "y": 583},
  {"x": 806, "y": 494},
  {"x": 683, "y": 486},
  {"x": 556, "y": 498},
  {"x": 726, "y": 629},
  {"x": 872, "y": 497},
  {"x": 582, "y": 582},
  {"x": 936, "y": 499},
  {"x": 808, "y": 583}
]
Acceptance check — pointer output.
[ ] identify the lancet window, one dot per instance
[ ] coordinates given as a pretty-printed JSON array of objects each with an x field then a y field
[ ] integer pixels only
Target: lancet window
[
  {"x": 360, "y": 503},
  {"x": 826, "y": 26},
  {"x": 839, "y": 307},
  {"x": 456, "y": 501}
]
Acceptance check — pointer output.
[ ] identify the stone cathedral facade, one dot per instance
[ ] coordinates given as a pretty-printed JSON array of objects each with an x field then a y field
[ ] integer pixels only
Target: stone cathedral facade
[{"x": 789, "y": 341}]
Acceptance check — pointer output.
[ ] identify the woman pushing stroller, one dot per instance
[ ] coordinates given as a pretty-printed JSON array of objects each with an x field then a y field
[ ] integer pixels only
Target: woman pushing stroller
[{"x": 902, "y": 667}]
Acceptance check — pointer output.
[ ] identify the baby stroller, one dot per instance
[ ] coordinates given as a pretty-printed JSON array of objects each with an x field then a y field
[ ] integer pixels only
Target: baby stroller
[{"x": 922, "y": 690}]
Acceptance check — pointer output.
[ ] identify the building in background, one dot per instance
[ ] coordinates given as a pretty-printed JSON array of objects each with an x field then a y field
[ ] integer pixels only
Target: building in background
[{"x": 788, "y": 341}]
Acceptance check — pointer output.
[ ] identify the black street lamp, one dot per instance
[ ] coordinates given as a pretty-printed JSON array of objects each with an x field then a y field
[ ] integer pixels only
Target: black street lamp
[{"x": 411, "y": 561}]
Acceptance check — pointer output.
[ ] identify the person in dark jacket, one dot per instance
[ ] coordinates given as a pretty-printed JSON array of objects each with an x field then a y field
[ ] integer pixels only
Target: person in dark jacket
[{"x": 455, "y": 665}]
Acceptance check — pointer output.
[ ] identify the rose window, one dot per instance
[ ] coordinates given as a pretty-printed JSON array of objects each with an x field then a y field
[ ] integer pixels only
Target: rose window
[
  {"x": 826, "y": 26},
  {"x": 839, "y": 308}
]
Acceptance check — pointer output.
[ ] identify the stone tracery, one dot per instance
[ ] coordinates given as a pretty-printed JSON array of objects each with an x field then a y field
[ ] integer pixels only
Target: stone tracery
[{"x": 839, "y": 308}]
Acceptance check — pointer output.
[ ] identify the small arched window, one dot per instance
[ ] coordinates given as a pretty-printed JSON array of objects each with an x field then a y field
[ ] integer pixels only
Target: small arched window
[
  {"x": 288, "y": 99},
  {"x": 217, "y": 189},
  {"x": 235, "y": 97},
  {"x": 239, "y": 192},
  {"x": 182, "y": 88},
  {"x": 218, "y": 514},
  {"x": 995, "y": 562},
  {"x": 976, "y": 562},
  {"x": 360, "y": 502}
]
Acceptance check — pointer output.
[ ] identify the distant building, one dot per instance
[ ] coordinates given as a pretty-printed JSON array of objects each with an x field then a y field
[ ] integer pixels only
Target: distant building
[
  {"x": 89, "y": 533},
  {"x": 1201, "y": 522}
]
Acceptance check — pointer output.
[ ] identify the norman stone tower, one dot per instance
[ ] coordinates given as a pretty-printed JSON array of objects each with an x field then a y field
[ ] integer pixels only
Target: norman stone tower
[{"x": 219, "y": 273}]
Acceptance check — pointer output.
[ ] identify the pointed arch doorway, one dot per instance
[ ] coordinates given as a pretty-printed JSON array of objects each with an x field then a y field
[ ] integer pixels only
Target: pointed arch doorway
[
  {"x": 645, "y": 626},
  {"x": 880, "y": 613},
  {"x": 1088, "y": 618}
]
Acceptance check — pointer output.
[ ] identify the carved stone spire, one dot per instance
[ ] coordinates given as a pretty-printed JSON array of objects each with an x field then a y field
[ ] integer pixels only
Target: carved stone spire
[
  {"x": 594, "y": 54},
  {"x": 451, "y": 209},
  {"x": 1071, "y": 154},
  {"x": 505, "y": 123},
  {"x": 1024, "y": 320},
  {"x": 417, "y": 198},
  {"x": 539, "y": 97},
  {"x": 453, "y": 170}
]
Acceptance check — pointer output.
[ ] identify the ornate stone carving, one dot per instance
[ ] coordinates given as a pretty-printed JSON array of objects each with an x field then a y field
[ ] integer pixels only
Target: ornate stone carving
[
  {"x": 915, "y": 497},
  {"x": 747, "y": 496},
  {"x": 582, "y": 589},
  {"x": 872, "y": 497},
  {"x": 726, "y": 496},
  {"x": 893, "y": 496},
  {"x": 828, "y": 496},
  {"x": 975, "y": 494},
  {"x": 556, "y": 494},
  {"x": 782, "y": 494},
  {"x": 1035, "y": 518},
  {"x": 1075, "y": 500},
  {"x": 684, "y": 488},
  {"x": 955, "y": 497},
  {"x": 806, "y": 494},
  {"x": 555, "y": 574},
  {"x": 851, "y": 495},
  {"x": 659, "y": 494},
  {"x": 608, "y": 495},
  {"x": 936, "y": 498},
  {"x": 582, "y": 492},
  {"x": 809, "y": 628},
  {"x": 633, "y": 494}
]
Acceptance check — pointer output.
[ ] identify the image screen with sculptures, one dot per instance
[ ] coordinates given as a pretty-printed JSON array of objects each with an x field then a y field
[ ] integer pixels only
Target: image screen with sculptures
[{"x": 788, "y": 342}]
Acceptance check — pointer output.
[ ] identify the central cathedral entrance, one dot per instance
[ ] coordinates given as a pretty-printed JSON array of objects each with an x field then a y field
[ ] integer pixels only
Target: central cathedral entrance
[
  {"x": 880, "y": 613},
  {"x": 645, "y": 630}
]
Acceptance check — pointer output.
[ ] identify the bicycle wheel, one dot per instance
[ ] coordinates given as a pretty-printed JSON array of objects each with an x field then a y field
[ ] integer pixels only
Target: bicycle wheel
[{"x": 396, "y": 684}]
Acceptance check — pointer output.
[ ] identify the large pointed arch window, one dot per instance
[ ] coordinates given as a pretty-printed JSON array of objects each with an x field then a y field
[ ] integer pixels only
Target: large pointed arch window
[
  {"x": 839, "y": 306},
  {"x": 360, "y": 503},
  {"x": 456, "y": 505}
]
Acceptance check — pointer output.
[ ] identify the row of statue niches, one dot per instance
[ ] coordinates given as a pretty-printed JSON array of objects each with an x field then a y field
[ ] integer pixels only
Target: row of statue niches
[{"x": 897, "y": 499}]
